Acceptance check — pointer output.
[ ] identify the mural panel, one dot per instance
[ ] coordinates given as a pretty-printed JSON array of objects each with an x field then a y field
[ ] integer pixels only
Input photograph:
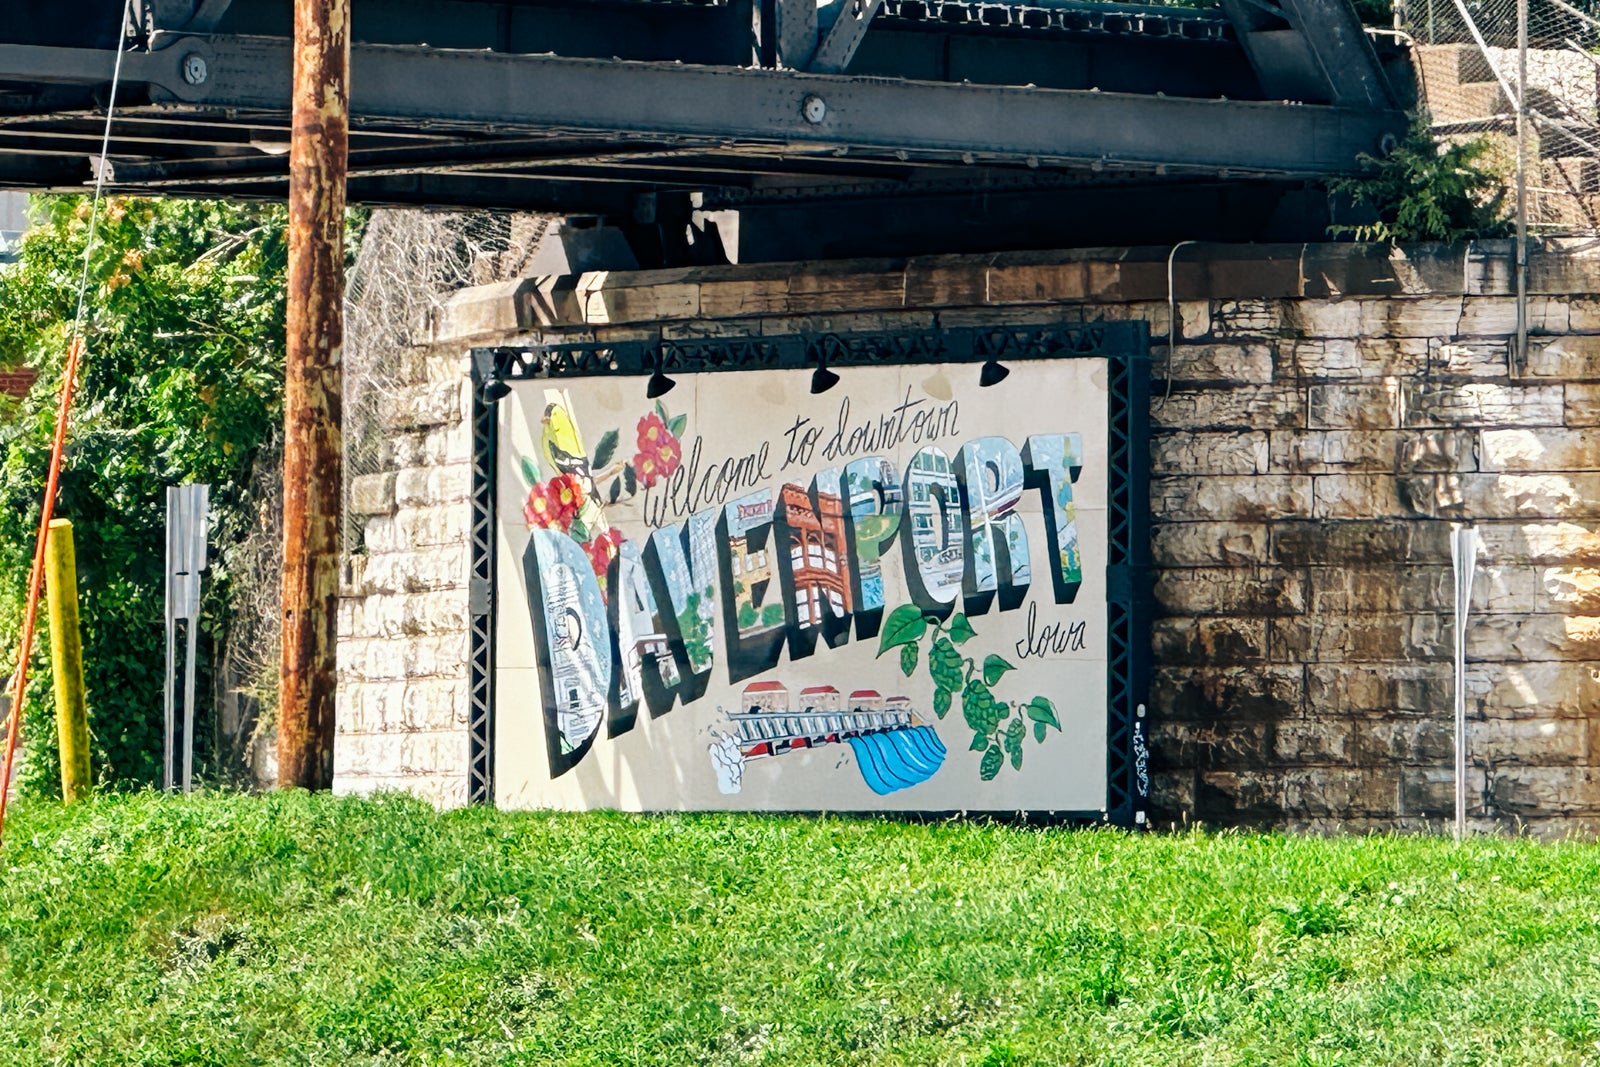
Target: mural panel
[{"x": 889, "y": 596}]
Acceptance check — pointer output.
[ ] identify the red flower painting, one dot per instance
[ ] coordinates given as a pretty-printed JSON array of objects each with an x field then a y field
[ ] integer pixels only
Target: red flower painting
[
  {"x": 659, "y": 450},
  {"x": 554, "y": 504}
]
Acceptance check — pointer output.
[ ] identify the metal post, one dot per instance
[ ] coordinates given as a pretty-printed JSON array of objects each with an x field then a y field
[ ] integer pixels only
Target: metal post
[
  {"x": 66, "y": 661},
  {"x": 187, "y": 509},
  {"x": 1464, "y": 561},
  {"x": 1521, "y": 347},
  {"x": 312, "y": 473}
]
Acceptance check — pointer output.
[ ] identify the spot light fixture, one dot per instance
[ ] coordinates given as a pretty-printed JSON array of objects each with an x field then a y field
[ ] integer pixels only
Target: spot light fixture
[
  {"x": 994, "y": 372},
  {"x": 659, "y": 384},
  {"x": 823, "y": 379}
]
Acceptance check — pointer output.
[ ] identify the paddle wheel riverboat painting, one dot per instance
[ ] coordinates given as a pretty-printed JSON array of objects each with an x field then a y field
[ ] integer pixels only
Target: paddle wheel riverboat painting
[{"x": 894, "y": 745}]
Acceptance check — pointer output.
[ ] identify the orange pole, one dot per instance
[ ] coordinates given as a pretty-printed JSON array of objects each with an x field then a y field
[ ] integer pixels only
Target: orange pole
[{"x": 19, "y": 680}]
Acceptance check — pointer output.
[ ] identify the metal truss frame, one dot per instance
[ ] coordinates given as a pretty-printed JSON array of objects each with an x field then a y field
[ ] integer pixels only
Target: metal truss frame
[{"x": 1124, "y": 346}]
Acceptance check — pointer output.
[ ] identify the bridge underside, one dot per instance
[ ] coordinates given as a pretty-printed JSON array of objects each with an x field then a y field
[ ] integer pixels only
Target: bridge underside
[{"x": 869, "y": 126}]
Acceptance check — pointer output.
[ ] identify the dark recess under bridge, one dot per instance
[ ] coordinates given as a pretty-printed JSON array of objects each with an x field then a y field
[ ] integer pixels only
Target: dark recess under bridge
[{"x": 859, "y": 128}]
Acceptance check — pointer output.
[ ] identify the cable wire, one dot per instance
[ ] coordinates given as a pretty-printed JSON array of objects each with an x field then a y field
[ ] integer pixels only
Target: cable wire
[{"x": 69, "y": 375}]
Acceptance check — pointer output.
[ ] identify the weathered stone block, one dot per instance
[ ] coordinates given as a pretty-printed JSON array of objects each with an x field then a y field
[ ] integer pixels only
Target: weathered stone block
[
  {"x": 1225, "y": 591},
  {"x": 372, "y": 494},
  {"x": 1488, "y": 315},
  {"x": 1031, "y": 283},
  {"x": 1320, "y": 740},
  {"x": 1539, "y": 542},
  {"x": 1427, "y": 316},
  {"x": 1256, "y": 407},
  {"x": 444, "y": 567},
  {"x": 1583, "y": 313},
  {"x": 1573, "y": 590},
  {"x": 1366, "y": 638},
  {"x": 1574, "y": 357},
  {"x": 1210, "y": 641},
  {"x": 1367, "y": 589},
  {"x": 435, "y": 404},
  {"x": 1193, "y": 315},
  {"x": 1399, "y": 688},
  {"x": 1247, "y": 318},
  {"x": 1199, "y": 544},
  {"x": 1347, "y": 358},
  {"x": 1320, "y": 543},
  {"x": 1332, "y": 791},
  {"x": 1190, "y": 745},
  {"x": 1209, "y": 453},
  {"x": 1387, "y": 740},
  {"x": 1546, "y": 742},
  {"x": 1246, "y": 363},
  {"x": 1521, "y": 790},
  {"x": 1350, "y": 451},
  {"x": 1582, "y": 406},
  {"x": 1574, "y": 495},
  {"x": 1482, "y": 404},
  {"x": 1228, "y": 692},
  {"x": 1429, "y": 792},
  {"x": 603, "y": 305},
  {"x": 1354, "y": 406},
  {"x": 1257, "y": 498},
  {"x": 1540, "y": 450},
  {"x": 1504, "y": 638},
  {"x": 429, "y": 486},
  {"x": 1358, "y": 496},
  {"x": 1469, "y": 359}
]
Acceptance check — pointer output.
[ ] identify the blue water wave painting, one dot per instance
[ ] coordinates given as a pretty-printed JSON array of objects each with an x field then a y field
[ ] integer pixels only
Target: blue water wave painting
[{"x": 898, "y": 759}]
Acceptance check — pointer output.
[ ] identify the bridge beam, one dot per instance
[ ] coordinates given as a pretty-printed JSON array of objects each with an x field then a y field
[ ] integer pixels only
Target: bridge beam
[{"x": 773, "y": 110}]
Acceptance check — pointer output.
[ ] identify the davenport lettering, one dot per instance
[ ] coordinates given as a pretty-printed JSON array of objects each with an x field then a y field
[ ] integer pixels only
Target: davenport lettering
[{"x": 796, "y": 568}]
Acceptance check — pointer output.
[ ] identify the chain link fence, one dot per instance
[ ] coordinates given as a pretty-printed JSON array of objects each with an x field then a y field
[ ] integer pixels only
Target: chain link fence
[
  {"x": 1471, "y": 71},
  {"x": 410, "y": 263}
]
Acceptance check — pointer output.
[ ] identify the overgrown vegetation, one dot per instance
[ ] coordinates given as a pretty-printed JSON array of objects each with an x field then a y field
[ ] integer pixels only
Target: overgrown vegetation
[
  {"x": 183, "y": 382},
  {"x": 293, "y": 929},
  {"x": 1425, "y": 190}
]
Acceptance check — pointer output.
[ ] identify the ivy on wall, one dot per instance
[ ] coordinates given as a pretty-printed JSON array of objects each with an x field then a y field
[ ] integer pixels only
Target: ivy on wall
[{"x": 183, "y": 381}]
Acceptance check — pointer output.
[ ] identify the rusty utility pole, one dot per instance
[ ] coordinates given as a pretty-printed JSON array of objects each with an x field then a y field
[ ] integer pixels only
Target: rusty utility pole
[{"x": 312, "y": 476}]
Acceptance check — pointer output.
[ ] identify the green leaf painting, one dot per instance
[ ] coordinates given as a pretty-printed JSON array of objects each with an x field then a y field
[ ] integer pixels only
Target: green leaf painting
[
  {"x": 999, "y": 727},
  {"x": 994, "y": 668},
  {"x": 604, "y": 450},
  {"x": 905, "y": 625},
  {"x": 1041, "y": 711},
  {"x": 530, "y": 471}
]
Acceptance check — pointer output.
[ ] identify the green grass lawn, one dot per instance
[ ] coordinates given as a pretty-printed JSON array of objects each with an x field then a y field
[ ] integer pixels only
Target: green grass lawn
[{"x": 291, "y": 929}]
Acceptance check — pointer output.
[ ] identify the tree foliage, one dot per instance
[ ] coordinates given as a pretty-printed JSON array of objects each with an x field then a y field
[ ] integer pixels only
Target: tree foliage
[
  {"x": 182, "y": 381},
  {"x": 1425, "y": 190}
]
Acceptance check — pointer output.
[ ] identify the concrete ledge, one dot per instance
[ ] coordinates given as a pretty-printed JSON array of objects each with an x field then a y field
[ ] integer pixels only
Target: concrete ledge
[{"x": 1012, "y": 279}]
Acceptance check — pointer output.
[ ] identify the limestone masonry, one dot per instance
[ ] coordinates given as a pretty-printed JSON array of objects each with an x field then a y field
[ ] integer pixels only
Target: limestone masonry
[{"x": 1333, "y": 409}]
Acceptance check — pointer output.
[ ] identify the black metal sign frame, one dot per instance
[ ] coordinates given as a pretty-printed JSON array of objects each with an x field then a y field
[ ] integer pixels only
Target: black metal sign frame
[{"x": 1125, "y": 347}]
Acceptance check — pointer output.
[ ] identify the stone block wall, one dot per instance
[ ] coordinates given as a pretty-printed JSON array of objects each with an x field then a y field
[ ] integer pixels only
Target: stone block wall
[
  {"x": 1308, "y": 467},
  {"x": 1330, "y": 411},
  {"x": 402, "y": 703}
]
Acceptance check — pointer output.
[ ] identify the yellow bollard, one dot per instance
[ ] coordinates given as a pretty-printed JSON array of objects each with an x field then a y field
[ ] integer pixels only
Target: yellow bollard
[{"x": 66, "y": 659}]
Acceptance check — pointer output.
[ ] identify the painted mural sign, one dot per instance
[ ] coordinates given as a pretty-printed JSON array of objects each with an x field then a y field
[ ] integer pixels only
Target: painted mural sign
[{"x": 889, "y": 596}]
